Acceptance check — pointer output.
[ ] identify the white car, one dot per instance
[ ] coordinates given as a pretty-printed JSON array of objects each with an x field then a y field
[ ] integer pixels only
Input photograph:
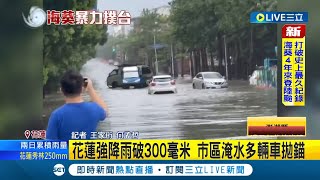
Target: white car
[
  {"x": 110, "y": 61},
  {"x": 253, "y": 78},
  {"x": 162, "y": 84},
  {"x": 116, "y": 63},
  {"x": 209, "y": 80}
]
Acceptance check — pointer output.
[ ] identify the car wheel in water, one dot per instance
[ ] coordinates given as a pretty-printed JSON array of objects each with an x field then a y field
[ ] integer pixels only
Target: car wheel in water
[
  {"x": 114, "y": 85},
  {"x": 193, "y": 86},
  {"x": 203, "y": 87}
]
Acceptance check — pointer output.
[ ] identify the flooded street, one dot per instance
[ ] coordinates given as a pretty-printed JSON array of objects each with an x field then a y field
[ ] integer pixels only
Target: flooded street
[{"x": 189, "y": 114}]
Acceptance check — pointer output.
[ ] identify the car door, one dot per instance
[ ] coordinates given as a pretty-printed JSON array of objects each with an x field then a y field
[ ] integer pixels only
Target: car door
[
  {"x": 146, "y": 74},
  {"x": 195, "y": 81},
  {"x": 112, "y": 77},
  {"x": 198, "y": 80}
]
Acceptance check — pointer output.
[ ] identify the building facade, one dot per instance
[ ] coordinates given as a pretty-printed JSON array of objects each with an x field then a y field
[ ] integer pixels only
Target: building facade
[
  {"x": 120, "y": 30},
  {"x": 163, "y": 10},
  {"x": 135, "y": 22}
]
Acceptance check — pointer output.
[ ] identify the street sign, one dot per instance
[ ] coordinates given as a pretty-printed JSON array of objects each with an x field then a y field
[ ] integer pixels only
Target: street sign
[{"x": 158, "y": 46}]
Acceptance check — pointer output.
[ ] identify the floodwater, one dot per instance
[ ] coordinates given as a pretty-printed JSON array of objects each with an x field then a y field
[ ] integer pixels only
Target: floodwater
[{"x": 189, "y": 114}]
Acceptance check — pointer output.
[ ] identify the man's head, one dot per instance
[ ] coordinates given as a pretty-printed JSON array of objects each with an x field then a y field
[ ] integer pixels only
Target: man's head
[{"x": 72, "y": 83}]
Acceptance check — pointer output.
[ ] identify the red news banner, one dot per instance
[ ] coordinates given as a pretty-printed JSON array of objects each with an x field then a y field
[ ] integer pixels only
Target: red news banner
[{"x": 276, "y": 126}]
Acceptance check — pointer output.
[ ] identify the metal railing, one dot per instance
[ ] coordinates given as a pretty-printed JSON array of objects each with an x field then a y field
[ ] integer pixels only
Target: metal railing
[{"x": 267, "y": 77}]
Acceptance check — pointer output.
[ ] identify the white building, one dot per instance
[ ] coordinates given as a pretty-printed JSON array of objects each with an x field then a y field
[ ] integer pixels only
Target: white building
[
  {"x": 135, "y": 22},
  {"x": 120, "y": 30},
  {"x": 163, "y": 10}
]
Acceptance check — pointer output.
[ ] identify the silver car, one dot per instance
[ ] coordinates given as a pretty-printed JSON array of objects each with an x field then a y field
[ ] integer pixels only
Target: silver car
[{"x": 209, "y": 80}]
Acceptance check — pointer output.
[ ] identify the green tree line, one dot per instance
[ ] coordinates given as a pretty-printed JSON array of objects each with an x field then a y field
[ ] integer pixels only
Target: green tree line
[
  {"x": 206, "y": 31},
  {"x": 69, "y": 46}
]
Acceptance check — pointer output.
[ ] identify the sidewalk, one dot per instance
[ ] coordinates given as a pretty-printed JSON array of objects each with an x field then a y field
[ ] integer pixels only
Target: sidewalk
[{"x": 184, "y": 80}]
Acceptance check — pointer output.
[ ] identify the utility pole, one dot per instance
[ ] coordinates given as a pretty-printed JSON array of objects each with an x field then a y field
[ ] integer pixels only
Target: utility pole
[
  {"x": 172, "y": 63},
  {"x": 155, "y": 49},
  {"x": 208, "y": 62},
  {"x": 190, "y": 67},
  {"x": 201, "y": 63},
  {"x": 225, "y": 57},
  {"x": 193, "y": 64},
  {"x": 155, "y": 52}
]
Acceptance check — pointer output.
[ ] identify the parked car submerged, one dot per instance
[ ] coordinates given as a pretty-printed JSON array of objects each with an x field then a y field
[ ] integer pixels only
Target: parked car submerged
[
  {"x": 253, "y": 78},
  {"x": 131, "y": 77},
  {"x": 115, "y": 63},
  {"x": 162, "y": 84},
  {"x": 110, "y": 61},
  {"x": 116, "y": 77},
  {"x": 209, "y": 80}
]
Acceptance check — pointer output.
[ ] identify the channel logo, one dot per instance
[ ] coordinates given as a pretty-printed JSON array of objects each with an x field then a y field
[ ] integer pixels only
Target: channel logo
[
  {"x": 58, "y": 169},
  {"x": 279, "y": 17},
  {"x": 37, "y": 17},
  {"x": 260, "y": 17}
]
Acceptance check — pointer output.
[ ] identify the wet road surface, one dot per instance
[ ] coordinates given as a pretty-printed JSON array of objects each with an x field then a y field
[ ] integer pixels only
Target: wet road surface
[{"x": 189, "y": 114}]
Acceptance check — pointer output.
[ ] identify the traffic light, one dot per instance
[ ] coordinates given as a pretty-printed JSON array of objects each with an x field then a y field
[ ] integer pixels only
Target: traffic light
[{"x": 113, "y": 53}]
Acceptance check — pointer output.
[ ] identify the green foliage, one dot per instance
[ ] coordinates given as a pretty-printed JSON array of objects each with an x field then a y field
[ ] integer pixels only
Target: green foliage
[
  {"x": 45, "y": 71},
  {"x": 69, "y": 47},
  {"x": 202, "y": 24},
  {"x": 137, "y": 45}
]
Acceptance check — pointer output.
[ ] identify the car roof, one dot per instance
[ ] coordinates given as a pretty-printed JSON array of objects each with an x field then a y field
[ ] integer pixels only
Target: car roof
[
  {"x": 161, "y": 76},
  {"x": 207, "y": 72},
  {"x": 132, "y": 68}
]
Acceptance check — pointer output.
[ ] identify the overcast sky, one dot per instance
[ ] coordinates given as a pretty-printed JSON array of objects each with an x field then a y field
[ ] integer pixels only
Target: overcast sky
[{"x": 134, "y": 7}]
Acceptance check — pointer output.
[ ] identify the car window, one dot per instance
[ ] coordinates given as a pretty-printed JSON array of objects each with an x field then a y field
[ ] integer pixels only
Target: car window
[
  {"x": 146, "y": 70},
  {"x": 199, "y": 75},
  {"x": 162, "y": 79},
  {"x": 130, "y": 74},
  {"x": 114, "y": 72},
  {"x": 212, "y": 75}
]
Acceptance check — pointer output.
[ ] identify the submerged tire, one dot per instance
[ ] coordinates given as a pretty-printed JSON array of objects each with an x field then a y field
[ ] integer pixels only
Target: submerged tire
[{"x": 114, "y": 85}]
